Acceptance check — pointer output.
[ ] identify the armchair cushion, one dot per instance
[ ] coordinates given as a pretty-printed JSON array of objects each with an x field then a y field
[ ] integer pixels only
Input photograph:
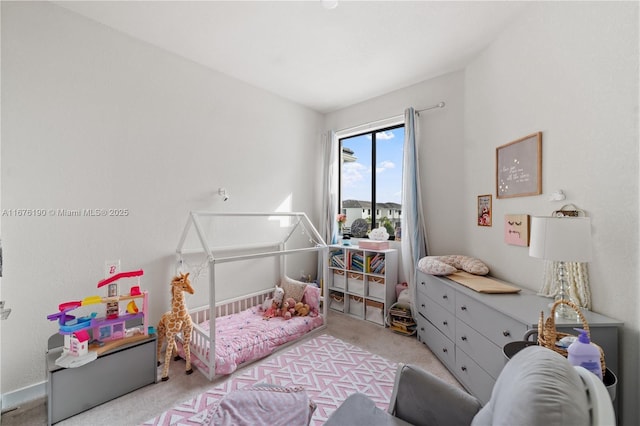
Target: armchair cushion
[
  {"x": 424, "y": 399},
  {"x": 536, "y": 387},
  {"x": 359, "y": 409}
]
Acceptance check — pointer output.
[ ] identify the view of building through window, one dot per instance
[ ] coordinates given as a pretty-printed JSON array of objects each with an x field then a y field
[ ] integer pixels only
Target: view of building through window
[{"x": 371, "y": 180}]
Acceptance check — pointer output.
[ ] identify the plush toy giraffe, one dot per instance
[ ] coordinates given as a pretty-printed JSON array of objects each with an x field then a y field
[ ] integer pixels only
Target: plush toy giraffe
[{"x": 175, "y": 321}]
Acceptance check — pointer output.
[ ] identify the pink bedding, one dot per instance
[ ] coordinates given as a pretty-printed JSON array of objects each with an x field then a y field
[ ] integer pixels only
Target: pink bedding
[{"x": 246, "y": 336}]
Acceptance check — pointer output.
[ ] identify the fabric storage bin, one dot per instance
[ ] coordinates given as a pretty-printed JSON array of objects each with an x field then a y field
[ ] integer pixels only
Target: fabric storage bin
[
  {"x": 336, "y": 301},
  {"x": 339, "y": 279},
  {"x": 376, "y": 287},
  {"x": 374, "y": 312},
  {"x": 356, "y": 306},
  {"x": 355, "y": 283}
]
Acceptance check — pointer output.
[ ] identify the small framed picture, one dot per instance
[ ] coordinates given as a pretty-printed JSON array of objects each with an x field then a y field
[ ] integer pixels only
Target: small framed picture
[
  {"x": 484, "y": 210},
  {"x": 516, "y": 229}
]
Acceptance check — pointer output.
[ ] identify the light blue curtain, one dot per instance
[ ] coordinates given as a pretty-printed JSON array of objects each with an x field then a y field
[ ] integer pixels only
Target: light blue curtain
[
  {"x": 328, "y": 224},
  {"x": 414, "y": 240}
]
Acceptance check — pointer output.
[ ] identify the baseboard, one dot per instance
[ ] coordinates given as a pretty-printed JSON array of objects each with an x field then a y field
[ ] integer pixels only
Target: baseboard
[{"x": 22, "y": 396}]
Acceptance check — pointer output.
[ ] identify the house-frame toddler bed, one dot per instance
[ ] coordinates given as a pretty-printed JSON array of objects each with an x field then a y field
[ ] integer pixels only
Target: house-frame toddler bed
[{"x": 232, "y": 332}]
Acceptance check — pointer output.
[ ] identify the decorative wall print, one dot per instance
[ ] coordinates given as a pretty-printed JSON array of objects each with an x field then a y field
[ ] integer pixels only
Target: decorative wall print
[
  {"x": 516, "y": 229},
  {"x": 519, "y": 167},
  {"x": 484, "y": 210}
]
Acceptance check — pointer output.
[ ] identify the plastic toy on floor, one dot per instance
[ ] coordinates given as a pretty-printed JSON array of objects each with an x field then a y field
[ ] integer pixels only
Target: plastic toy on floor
[{"x": 88, "y": 336}]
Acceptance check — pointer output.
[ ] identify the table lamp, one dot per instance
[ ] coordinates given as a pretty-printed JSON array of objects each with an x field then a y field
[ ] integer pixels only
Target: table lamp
[{"x": 561, "y": 239}]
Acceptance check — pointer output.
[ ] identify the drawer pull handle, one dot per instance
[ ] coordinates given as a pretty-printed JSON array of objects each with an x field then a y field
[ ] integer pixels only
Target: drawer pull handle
[
  {"x": 445, "y": 323},
  {"x": 444, "y": 296},
  {"x": 506, "y": 333},
  {"x": 422, "y": 282},
  {"x": 463, "y": 307},
  {"x": 445, "y": 350},
  {"x": 463, "y": 368},
  {"x": 421, "y": 328},
  {"x": 464, "y": 338},
  {"x": 423, "y": 305}
]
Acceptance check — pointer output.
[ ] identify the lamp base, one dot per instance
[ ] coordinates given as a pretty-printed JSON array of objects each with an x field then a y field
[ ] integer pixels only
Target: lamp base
[
  {"x": 565, "y": 312},
  {"x": 562, "y": 310}
]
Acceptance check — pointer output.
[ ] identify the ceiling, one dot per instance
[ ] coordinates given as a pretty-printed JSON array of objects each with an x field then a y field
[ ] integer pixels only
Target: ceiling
[{"x": 325, "y": 59}]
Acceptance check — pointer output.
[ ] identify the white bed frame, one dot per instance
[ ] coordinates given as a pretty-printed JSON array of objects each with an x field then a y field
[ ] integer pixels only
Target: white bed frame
[{"x": 203, "y": 341}]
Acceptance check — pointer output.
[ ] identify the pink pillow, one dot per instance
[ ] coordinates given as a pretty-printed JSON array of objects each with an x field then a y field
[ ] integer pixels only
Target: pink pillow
[{"x": 312, "y": 298}]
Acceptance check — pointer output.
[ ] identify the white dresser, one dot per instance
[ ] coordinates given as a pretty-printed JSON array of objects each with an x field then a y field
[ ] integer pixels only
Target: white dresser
[{"x": 467, "y": 330}]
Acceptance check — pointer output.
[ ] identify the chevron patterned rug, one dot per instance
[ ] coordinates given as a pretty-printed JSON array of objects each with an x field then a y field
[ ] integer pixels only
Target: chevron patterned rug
[{"x": 329, "y": 369}]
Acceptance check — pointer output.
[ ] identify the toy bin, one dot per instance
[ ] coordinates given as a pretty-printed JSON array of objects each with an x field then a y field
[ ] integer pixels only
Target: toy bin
[
  {"x": 376, "y": 288},
  {"x": 356, "y": 306},
  {"x": 336, "y": 301},
  {"x": 374, "y": 312},
  {"x": 355, "y": 283},
  {"x": 339, "y": 279}
]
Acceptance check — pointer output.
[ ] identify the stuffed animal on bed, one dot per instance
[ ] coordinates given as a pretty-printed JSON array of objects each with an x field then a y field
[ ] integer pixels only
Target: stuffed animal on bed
[
  {"x": 271, "y": 305},
  {"x": 278, "y": 296},
  {"x": 272, "y": 311},
  {"x": 288, "y": 308},
  {"x": 302, "y": 309},
  {"x": 284, "y": 311}
]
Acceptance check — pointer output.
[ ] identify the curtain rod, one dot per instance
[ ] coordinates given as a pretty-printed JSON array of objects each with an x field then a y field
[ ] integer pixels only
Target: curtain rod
[
  {"x": 438, "y": 105},
  {"x": 372, "y": 123}
]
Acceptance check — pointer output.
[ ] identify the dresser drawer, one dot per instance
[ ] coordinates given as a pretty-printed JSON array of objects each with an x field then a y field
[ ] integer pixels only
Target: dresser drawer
[
  {"x": 438, "y": 291},
  {"x": 498, "y": 328},
  {"x": 481, "y": 350},
  {"x": 473, "y": 377},
  {"x": 444, "y": 320},
  {"x": 441, "y": 347}
]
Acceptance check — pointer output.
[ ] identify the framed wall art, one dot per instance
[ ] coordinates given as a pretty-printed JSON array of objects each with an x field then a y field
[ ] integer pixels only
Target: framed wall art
[
  {"x": 484, "y": 210},
  {"x": 519, "y": 167},
  {"x": 516, "y": 229}
]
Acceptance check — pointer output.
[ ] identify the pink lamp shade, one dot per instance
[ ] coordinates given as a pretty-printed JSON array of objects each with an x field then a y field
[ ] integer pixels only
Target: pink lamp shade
[{"x": 561, "y": 239}]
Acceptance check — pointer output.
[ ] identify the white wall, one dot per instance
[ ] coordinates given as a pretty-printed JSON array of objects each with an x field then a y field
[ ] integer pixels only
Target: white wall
[
  {"x": 569, "y": 70},
  {"x": 94, "y": 119}
]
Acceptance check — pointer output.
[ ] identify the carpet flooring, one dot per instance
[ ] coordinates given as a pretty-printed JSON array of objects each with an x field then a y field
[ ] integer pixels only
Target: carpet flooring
[{"x": 328, "y": 368}]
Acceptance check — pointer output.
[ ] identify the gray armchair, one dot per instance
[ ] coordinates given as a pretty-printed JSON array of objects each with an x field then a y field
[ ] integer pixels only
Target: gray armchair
[{"x": 536, "y": 387}]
